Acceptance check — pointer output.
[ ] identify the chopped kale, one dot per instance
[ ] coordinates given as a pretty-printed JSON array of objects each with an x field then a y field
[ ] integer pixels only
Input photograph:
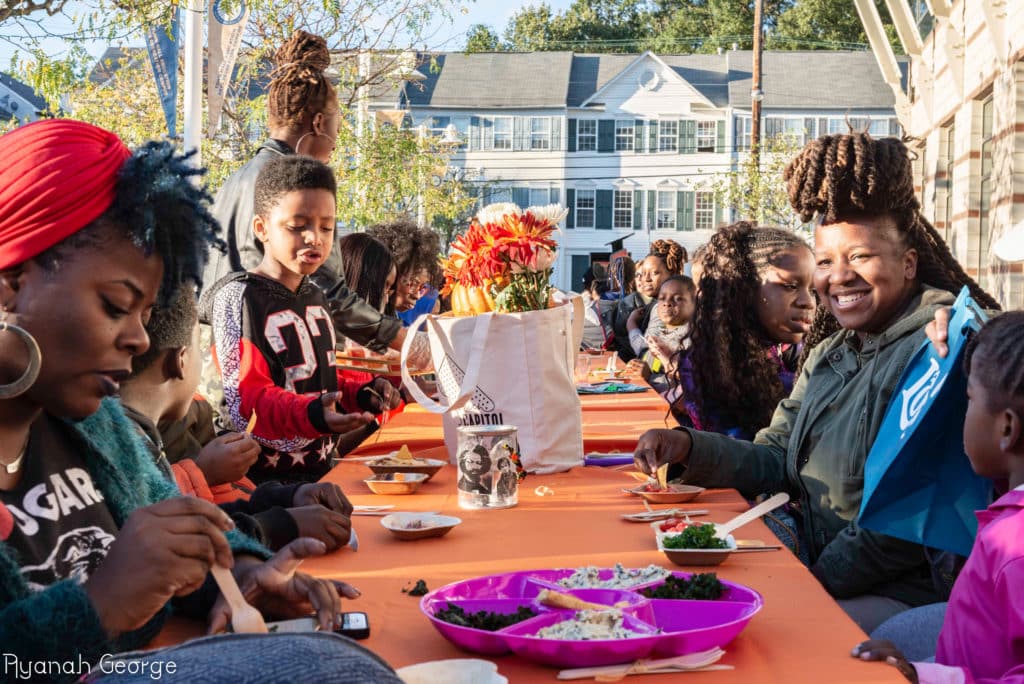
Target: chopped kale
[
  {"x": 695, "y": 537},
  {"x": 704, "y": 587},
  {"x": 483, "y": 619},
  {"x": 420, "y": 589}
]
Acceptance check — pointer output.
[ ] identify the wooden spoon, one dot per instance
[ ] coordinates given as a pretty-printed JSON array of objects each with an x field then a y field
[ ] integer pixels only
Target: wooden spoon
[
  {"x": 722, "y": 530},
  {"x": 244, "y": 618}
]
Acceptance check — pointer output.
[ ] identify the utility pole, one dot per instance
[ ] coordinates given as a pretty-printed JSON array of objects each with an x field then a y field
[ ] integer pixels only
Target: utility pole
[{"x": 756, "y": 94}]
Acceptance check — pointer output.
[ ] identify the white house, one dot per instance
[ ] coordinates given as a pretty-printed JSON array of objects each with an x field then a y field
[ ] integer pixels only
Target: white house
[
  {"x": 18, "y": 101},
  {"x": 629, "y": 142}
]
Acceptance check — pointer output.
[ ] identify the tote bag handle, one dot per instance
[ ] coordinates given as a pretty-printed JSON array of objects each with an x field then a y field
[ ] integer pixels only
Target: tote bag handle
[{"x": 469, "y": 381}]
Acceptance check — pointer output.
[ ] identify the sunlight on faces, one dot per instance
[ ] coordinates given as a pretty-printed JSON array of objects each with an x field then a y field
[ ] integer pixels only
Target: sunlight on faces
[
  {"x": 651, "y": 274},
  {"x": 675, "y": 303},
  {"x": 410, "y": 288},
  {"x": 297, "y": 234},
  {"x": 88, "y": 316},
  {"x": 864, "y": 273},
  {"x": 785, "y": 306}
]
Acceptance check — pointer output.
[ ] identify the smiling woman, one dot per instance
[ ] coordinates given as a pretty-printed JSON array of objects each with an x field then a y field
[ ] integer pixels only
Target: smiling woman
[{"x": 881, "y": 272}]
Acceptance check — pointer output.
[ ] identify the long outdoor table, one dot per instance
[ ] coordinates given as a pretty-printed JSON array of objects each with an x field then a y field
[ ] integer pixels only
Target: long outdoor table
[{"x": 800, "y": 635}]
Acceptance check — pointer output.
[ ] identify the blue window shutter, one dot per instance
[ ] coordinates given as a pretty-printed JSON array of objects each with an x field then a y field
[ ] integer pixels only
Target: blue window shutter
[
  {"x": 652, "y": 206},
  {"x": 720, "y": 140},
  {"x": 571, "y": 139},
  {"x": 652, "y": 137},
  {"x": 687, "y": 137},
  {"x": 474, "y": 133},
  {"x": 680, "y": 210},
  {"x": 605, "y": 135},
  {"x": 638, "y": 209},
  {"x": 603, "y": 209},
  {"x": 521, "y": 196},
  {"x": 638, "y": 136},
  {"x": 570, "y": 202}
]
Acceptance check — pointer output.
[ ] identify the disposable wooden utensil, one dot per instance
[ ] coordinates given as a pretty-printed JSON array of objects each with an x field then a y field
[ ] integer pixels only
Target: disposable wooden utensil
[
  {"x": 722, "y": 530},
  {"x": 705, "y": 660},
  {"x": 557, "y": 599},
  {"x": 252, "y": 423},
  {"x": 244, "y": 618}
]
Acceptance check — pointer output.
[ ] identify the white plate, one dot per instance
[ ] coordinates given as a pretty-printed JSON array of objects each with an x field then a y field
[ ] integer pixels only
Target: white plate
[{"x": 456, "y": 671}]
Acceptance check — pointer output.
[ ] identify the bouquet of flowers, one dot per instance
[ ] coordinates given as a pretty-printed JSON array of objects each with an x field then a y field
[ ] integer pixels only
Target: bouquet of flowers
[{"x": 503, "y": 261}]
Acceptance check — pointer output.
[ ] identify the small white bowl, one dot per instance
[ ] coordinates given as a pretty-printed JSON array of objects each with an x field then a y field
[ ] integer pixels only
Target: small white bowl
[{"x": 409, "y": 526}]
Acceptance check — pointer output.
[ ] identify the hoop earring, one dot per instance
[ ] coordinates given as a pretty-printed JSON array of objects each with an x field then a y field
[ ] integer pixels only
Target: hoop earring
[
  {"x": 35, "y": 358},
  {"x": 301, "y": 138}
]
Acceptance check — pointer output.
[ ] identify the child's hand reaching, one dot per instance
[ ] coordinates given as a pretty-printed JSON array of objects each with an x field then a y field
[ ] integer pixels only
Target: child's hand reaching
[
  {"x": 880, "y": 649},
  {"x": 322, "y": 524},
  {"x": 227, "y": 458},
  {"x": 341, "y": 422},
  {"x": 379, "y": 395}
]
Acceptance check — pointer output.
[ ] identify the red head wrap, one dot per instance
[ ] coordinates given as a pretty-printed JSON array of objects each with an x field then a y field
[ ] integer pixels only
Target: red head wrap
[{"x": 58, "y": 176}]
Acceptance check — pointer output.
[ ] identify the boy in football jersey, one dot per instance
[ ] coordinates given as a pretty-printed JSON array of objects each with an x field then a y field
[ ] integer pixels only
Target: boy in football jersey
[{"x": 274, "y": 340}]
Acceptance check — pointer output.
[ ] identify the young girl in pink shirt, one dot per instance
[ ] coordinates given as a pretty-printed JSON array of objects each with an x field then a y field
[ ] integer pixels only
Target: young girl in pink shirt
[{"x": 982, "y": 638}]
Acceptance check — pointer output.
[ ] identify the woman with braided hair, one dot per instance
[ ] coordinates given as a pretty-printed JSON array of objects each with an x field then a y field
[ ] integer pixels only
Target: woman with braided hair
[
  {"x": 754, "y": 309},
  {"x": 97, "y": 547},
  {"x": 632, "y": 313},
  {"x": 303, "y": 118},
  {"x": 881, "y": 274}
]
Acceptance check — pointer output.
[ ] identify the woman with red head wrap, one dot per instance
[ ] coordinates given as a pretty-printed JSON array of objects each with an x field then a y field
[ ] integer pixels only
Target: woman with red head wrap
[{"x": 95, "y": 543}]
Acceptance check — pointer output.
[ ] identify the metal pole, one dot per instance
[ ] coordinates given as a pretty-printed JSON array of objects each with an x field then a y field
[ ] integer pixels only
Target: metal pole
[
  {"x": 756, "y": 94},
  {"x": 194, "y": 80},
  {"x": 421, "y": 208}
]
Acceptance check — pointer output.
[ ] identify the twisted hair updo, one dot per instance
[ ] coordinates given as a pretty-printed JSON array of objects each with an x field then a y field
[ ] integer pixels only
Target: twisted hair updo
[
  {"x": 299, "y": 88},
  {"x": 845, "y": 176}
]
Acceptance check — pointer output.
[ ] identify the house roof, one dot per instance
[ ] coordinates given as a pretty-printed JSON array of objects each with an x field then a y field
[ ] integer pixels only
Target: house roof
[
  {"x": 9, "y": 109},
  {"x": 808, "y": 79},
  {"x": 494, "y": 80}
]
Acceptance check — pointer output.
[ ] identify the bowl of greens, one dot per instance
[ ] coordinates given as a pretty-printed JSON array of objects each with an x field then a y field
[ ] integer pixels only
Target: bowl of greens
[{"x": 695, "y": 545}]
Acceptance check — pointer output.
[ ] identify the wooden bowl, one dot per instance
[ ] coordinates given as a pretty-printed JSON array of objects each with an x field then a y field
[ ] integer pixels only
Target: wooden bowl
[
  {"x": 432, "y": 525},
  {"x": 395, "y": 483},
  {"x": 678, "y": 493},
  {"x": 387, "y": 464}
]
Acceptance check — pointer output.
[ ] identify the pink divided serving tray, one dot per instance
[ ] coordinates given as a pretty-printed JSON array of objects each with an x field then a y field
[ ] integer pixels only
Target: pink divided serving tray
[{"x": 668, "y": 627}]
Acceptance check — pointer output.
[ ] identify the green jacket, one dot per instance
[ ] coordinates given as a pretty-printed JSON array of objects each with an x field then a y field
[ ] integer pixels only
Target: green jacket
[{"x": 815, "y": 449}]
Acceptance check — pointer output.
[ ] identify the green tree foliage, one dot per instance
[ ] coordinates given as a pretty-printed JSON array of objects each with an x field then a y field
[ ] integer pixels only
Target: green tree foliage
[
  {"x": 757, "y": 191},
  {"x": 122, "y": 97},
  {"x": 826, "y": 25},
  {"x": 482, "y": 38},
  {"x": 682, "y": 26}
]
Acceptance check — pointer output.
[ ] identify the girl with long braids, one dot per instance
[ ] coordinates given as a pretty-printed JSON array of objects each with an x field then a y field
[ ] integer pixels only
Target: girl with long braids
[
  {"x": 92, "y": 237},
  {"x": 881, "y": 274},
  {"x": 303, "y": 118},
  {"x": 755, "y": 307},
  {"x": 666, "y": 258}
]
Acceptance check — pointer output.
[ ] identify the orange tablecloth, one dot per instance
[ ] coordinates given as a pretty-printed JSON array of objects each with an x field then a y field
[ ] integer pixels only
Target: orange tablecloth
[
  {"x": 610, "y": 423},
  {"x": 800, "y": 635}
]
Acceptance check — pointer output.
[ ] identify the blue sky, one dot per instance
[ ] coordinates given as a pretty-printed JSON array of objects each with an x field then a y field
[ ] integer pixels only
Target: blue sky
[{"x": 445, "y": 35}]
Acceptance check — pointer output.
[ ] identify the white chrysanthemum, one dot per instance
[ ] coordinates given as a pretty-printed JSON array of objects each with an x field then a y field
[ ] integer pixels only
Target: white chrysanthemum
[
  {"x": 553, "y": 213},
  {"x": 493, "y": 213}
]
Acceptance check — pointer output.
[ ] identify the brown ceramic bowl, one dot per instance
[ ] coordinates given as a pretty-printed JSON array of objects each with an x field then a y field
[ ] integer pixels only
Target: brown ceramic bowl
[
  {"x": 677, "y": 493},
  {"x": 395, "y": 483}
]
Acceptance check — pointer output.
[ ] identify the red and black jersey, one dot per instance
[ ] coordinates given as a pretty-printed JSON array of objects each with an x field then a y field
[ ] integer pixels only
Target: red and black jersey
[{"x": 276, "y": 353}]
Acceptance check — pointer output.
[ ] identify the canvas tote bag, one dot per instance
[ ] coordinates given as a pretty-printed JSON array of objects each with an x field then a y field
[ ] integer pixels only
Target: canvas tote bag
[{"x": 509, "y": 369}]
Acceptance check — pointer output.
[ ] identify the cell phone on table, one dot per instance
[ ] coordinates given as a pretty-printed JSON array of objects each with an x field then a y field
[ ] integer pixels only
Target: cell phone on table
[{"x": 353, "y": 625}]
